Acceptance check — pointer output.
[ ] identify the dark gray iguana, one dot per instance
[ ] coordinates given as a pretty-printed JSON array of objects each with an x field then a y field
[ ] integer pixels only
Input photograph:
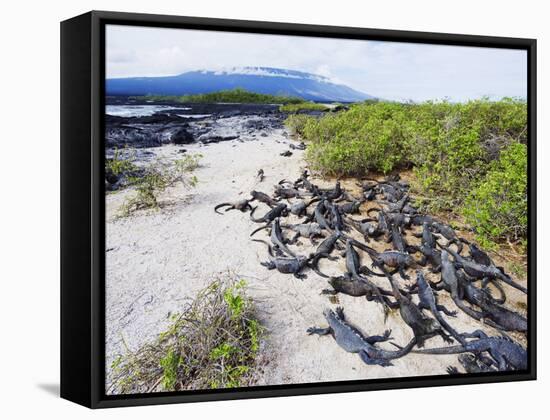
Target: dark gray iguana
[
  {"x": 428, "y": 301},
  {"x": 508, "y": 354},
  {"x": 353, "y": 341},
  {"x": 422, "y": 326},
  {"x": 473, "y": 364},
  {"x": 479, "y": 271},
  {"x": 277, "y": 238},
  {"x": 242, "y": 205},
  {"x": 288, "y": 265}
]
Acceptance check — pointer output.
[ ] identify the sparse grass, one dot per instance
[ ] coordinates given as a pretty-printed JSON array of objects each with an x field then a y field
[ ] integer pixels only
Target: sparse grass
[
  {"x": 213, "y": 343},
  {"x": 120, "y": 167},
  {"x": 518, "y": 269},
  {"x": 119, "y": 164},
  {"x": 155, "y": 179}
]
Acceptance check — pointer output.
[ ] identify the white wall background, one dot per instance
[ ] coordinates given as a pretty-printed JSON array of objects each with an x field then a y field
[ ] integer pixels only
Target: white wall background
[{"x": 29, "y": 207}]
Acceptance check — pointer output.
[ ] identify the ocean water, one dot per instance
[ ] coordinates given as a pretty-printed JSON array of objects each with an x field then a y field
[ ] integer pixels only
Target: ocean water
[{"x": 138, "y": 110}]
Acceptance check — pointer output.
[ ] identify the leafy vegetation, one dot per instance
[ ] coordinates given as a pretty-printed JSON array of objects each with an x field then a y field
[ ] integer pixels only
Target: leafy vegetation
[
  {"x": 304, "y": 106},
  {"x": 212, "y": 343},
  {"x": 155, "y": 178},
  {"x": 237, "y": 95},
  {"x": 297, "y": 122},
  {"x": 497, "y": 206},
  {"x": 453, "y": 149}
]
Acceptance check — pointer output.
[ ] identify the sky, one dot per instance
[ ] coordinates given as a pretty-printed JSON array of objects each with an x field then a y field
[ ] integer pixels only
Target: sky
[{"x": 388, "y": 70}]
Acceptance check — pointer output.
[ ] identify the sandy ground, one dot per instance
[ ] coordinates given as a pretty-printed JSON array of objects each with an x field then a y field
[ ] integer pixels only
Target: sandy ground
[{"x": 157, "y": 260}]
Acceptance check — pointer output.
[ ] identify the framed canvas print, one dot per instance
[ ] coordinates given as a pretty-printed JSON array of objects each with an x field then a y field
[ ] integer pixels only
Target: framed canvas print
[{"x": 255, "y": 209}]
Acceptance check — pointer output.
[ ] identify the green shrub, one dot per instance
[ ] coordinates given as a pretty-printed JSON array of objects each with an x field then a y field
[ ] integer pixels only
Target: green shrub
[
  {"x": 449, "y": 145},
  {"x": 366, "y": 137},
  {"x": 237, "y": 95},
  {"x": 212, "y": 343},
  {"x": 497, "y": 207},
  {"x": 304, "y": 106},
  {"x": 296, "y": 123}
]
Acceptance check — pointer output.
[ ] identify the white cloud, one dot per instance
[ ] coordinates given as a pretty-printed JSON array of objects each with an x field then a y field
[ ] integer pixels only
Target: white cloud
[{"x": 385, "y": 69}]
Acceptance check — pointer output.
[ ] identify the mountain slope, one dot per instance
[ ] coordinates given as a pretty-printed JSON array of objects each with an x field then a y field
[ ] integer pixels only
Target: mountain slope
[{"x": 265, "y": 80}]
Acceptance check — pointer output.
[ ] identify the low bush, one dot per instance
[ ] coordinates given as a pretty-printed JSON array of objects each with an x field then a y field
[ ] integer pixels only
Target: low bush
[
  {"x": 304, "y": 106},
  {"x": 367, "y": 137},
  {"x": 237, "y": 95},
  {"x": 155, "y": 178},
  {"x": 497, "y": 207},
  {"x": 212, "y": 343},
  {"x": 450, "y": 146},
  {"x": 297, "y": 122}
]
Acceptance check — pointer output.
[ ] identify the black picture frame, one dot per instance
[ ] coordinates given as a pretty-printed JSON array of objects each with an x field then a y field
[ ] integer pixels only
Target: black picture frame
[{"x": 83, "y": 207}]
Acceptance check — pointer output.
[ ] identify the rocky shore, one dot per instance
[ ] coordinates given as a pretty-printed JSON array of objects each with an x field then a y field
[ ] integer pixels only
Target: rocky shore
[{"x": 190, "y": 123}]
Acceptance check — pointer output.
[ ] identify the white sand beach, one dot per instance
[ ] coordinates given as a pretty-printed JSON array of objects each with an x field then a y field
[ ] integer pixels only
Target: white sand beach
[{"x": 156, "y": 260}]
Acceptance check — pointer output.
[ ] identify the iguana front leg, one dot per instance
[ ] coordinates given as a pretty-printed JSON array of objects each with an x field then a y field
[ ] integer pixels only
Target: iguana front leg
[
  {"x": 331, "y": 292},
  {"x": 451, "y": 370},
  {"x": 442, "y": 308},
  {"x": 379, "y": 338},
  {"x": 270, "y": 265},
  {"x": 319, "y": 331},
  {"x": 446, "y": 337}
]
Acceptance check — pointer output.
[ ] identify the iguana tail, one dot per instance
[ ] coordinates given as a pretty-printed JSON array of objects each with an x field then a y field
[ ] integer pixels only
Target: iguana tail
[
  {"x": 438, "y": 350},
  {"x": 221, "y": 205},
  {"x": 385, "y": 354},
  {"x": 260, "y": 228}
]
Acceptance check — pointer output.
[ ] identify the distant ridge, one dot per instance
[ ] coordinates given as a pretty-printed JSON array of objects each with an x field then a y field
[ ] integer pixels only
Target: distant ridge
[{"x": 267, "y": 80}]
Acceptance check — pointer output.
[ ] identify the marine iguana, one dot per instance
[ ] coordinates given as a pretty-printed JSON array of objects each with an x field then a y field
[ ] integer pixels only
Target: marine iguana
[
  {"x": 263, "y": 198},
  {"x": 431, "y": 255},
  {"x": 242, "y": 205},
  {"x": 333, "y": 193},
  {"x": 398, "y": 219},
  {"x": 337, "y": 223},
  {"x": 277, "y": 238},
  {"x": 479, "y": 271},
  {"x": 283, "y": 192},
  {"x": 288, "y": 265},
  {"x": 350, "y": 208},
  {"x": 394, "y": 259},
  {"x": 307, "y": 230},
  {"x": 428, "y": 238},
  {"x": 347, "y": 285},
  {"x": 323, "y": 251},
  {"x": 299, "y": 208},
  {"x": 420, "y": 219},
  {"x": 508, "y": 354},
  {"x": 260, "y": 176},
  {"x": 473, "y": 364},
  {"x": 428, "y": 301},
  {"x": 280, "y": 209},
  {"x": 306, "y": 184},
  {"x": 353, "y": 341},
  {"x": 422, "y": 326},
  {"x": 399, "y": 242},
  {"x": 320, "y": 218},
  {"x": 397, "y": 207},
  {"x": 448, "y": 233},
  {"x": 492, "y": 314},
  {"x": 353, "y": 266},
  {"x": 479, "y": 256}
]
